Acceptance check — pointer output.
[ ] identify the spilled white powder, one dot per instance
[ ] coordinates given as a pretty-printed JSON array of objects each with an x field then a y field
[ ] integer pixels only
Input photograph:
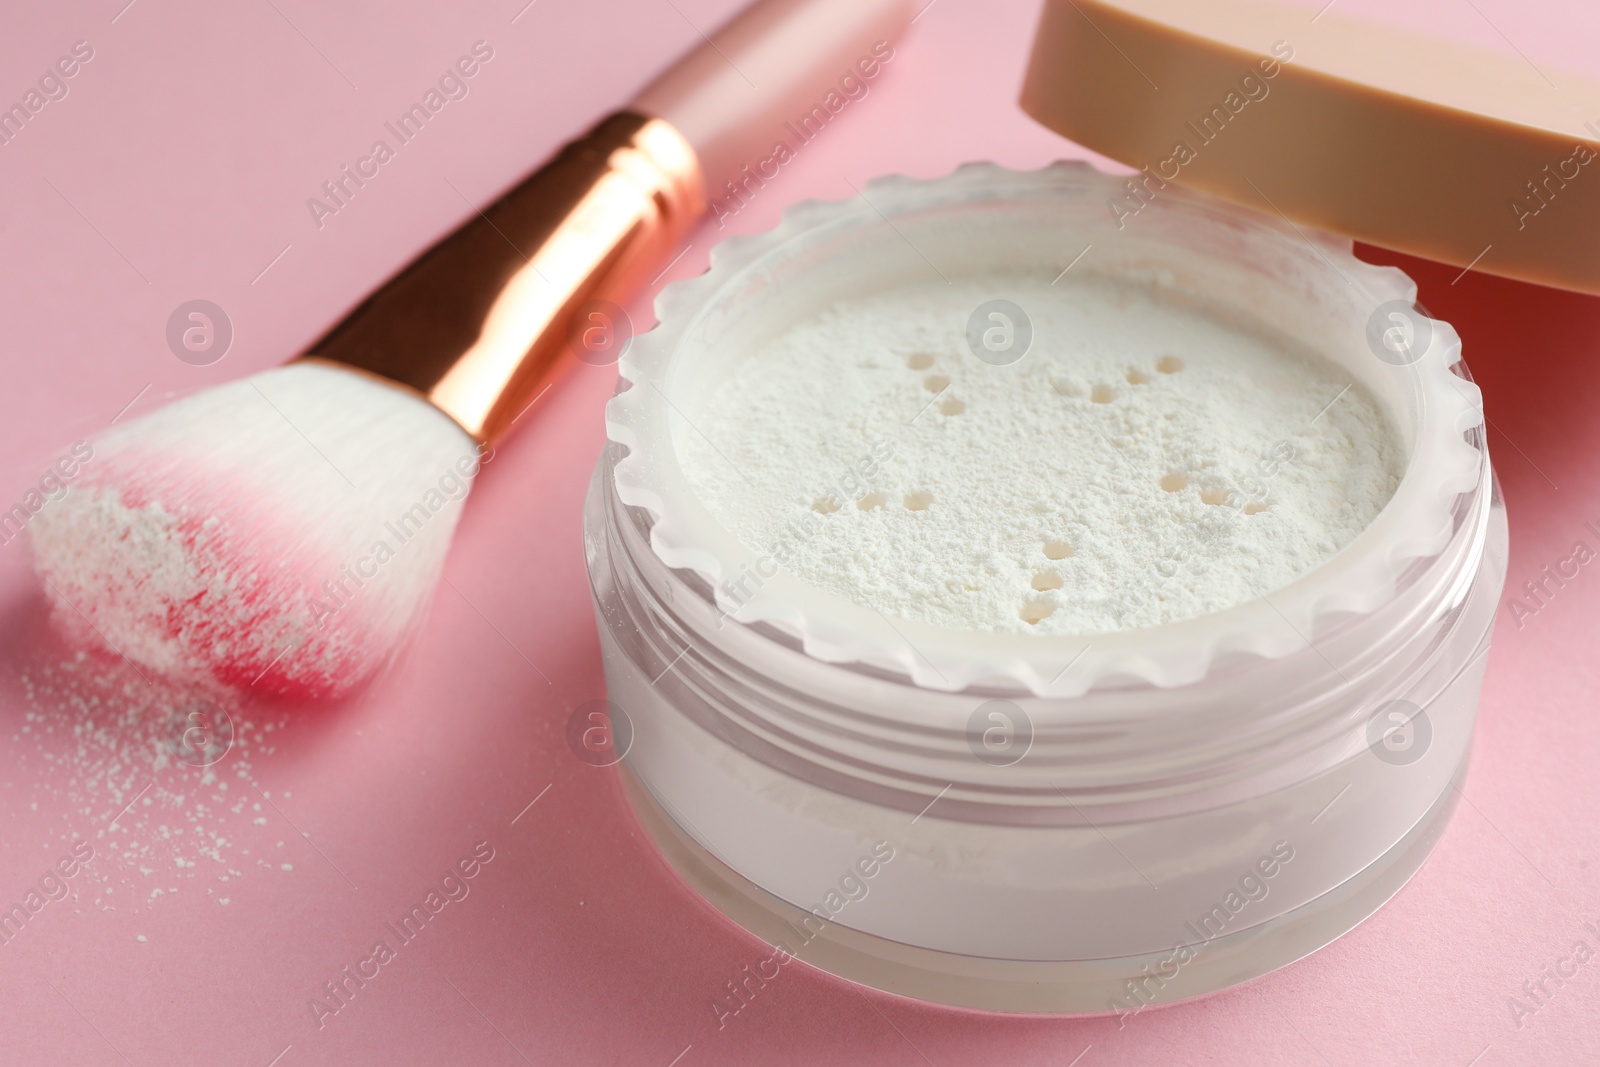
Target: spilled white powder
[
  {"x": 101, "y": 746},
  {"x": 1145, "y": 462}
]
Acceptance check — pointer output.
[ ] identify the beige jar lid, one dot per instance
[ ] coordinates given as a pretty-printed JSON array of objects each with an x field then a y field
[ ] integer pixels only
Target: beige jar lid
[{"x": 1392, "y": 137}]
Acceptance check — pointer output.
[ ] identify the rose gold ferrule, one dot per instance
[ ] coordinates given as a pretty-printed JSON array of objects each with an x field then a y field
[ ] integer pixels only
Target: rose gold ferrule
[{"x": 482, "y": 321}]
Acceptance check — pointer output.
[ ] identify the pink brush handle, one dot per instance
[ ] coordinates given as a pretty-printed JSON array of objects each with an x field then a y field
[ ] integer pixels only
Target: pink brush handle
[{"x": 772, "y": 63}]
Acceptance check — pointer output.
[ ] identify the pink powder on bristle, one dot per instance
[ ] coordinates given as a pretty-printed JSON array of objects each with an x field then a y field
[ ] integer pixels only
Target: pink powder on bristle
[
  {"x": 233, "y": 600},
  {"x": 279, "y": 533}
]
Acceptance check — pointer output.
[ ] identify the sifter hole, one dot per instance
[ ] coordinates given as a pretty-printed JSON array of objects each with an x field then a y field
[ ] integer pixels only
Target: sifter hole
[
  {"x": 1035, "y": 611},
  {"x": 1057, "y": 550}
]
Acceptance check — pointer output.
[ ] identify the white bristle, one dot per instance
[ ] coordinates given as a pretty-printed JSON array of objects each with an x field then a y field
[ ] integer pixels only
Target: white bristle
[{"x": 281, "y": 532}]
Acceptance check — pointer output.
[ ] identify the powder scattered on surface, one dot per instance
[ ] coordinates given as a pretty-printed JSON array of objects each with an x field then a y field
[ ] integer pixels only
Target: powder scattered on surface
[
  {"x": 1144, "y": 462},
  {"x": 159, "y": 781}
]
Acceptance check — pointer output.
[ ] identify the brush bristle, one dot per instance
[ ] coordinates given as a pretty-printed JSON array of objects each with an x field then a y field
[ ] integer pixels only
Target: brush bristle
[{"x": 282, "y": 532}]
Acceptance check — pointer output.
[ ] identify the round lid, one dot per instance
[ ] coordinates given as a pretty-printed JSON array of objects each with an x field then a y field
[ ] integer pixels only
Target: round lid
[{"x": 1483, "y": 160}]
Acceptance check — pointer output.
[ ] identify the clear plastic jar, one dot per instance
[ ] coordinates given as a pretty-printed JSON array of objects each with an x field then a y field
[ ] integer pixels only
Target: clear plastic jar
[{"x": 1055, "y": 826}]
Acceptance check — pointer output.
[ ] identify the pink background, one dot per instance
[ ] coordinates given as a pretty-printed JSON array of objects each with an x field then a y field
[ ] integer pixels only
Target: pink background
[{"x": 178, "y": 167}]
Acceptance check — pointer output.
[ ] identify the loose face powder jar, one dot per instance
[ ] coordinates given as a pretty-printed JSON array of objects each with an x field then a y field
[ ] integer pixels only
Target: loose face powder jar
[{"x": 1014, "y": 609}]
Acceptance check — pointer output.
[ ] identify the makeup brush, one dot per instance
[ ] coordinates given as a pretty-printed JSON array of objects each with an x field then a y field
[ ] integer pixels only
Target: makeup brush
[{"x": 284, "y": 531}]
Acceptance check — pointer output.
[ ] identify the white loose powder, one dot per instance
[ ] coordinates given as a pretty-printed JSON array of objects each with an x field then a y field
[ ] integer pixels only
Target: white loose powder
[
  {"x": 1146, "y": 461},
  {"x": 98, "y": 745}
]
